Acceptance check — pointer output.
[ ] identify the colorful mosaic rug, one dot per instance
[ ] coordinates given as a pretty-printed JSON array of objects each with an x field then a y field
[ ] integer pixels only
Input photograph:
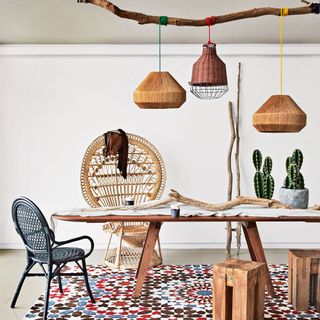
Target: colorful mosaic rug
[{"x": 171, "y": 292}]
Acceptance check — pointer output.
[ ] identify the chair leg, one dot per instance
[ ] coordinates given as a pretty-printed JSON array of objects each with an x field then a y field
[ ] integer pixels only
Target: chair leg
[
  {"x": 60, "y": 282},
  {"x": 29, "y": 266},
  {"x": 108, "y": 246},
  {"x": 47, "y": 292},
  {"x": 58, "y": 274},
  {"x": 118, "y": 256},
  {"x": 159, "y": 249},
  {"x": 85, "y": 274}
]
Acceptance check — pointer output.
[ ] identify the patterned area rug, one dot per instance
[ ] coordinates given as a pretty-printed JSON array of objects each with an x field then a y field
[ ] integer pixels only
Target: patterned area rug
[{"x": 171, "y": 292}]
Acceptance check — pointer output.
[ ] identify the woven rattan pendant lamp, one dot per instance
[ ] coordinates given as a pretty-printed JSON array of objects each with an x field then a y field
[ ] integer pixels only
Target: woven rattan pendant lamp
[
  {"x": 209, "y": 74},
  {"x": 280, "y": 113},
  {"x": 159, "y": 90}
]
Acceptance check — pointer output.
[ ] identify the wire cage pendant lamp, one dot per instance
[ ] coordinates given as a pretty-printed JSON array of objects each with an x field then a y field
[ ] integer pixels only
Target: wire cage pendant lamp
[
  {"x": 280, "y": 113},
  {"x": 209, "y": 74}
]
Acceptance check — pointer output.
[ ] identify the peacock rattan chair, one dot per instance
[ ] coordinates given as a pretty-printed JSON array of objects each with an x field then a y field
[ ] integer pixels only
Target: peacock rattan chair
[{"x": 103, "y": 186}]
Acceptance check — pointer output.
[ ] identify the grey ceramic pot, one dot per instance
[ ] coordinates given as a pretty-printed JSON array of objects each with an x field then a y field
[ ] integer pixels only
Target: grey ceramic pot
[{"x": 295, "y": 198}]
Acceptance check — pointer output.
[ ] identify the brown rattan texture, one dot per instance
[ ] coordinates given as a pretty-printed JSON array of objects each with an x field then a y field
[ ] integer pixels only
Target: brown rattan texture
[
  {"x": 209, "y": 75},
  {"x": 130, "y": 258},
  {"x": 209, "y": 69},
  {"x": 159, "y": 90},
  {"x": 279, "y": 113},
  {"x": 103, "y": 186}
]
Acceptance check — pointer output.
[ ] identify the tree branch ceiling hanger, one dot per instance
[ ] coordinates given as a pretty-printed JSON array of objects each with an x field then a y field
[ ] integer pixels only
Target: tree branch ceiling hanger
[{"x": 143, "y": 18}]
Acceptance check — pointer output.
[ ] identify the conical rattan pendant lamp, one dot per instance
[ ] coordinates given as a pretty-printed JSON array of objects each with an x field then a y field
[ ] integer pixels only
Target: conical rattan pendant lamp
[
  {"x": 280, "y": 113},
  {"x": 209, "y": 74},
  {"x": 159, "y": 90}
]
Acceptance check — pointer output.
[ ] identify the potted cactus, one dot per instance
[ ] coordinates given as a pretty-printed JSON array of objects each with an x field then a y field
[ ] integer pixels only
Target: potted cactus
[
  {"x": 293, "y": 193},
  {"x": 263, "y": 181}
]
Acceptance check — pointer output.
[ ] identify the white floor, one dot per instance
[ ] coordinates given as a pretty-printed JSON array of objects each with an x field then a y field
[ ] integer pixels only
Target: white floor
[{"x": 12, "y": 263}]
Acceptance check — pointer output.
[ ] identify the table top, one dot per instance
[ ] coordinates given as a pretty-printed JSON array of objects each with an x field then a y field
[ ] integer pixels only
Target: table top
[
  {"x": 187, "y": 214},
  {"x": 156, "y": 218}
]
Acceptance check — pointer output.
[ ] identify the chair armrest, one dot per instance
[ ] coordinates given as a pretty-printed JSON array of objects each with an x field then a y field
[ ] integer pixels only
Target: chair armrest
[
  {"x": 52, "y": 235},
  {"x": 61, "y": 243}
]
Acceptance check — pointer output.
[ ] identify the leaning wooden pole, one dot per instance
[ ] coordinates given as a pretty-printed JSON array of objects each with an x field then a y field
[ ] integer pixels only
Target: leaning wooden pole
[
  {"x": 143, "y": 18},
  {"x": 229, "y": 159},
  {"x": 236, "y": 156},
  {"x": 230, "y": 176},
  {"x": 237, "y": 132}
]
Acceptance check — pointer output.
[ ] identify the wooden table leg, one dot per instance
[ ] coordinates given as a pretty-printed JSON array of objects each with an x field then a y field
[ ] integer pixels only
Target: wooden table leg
[
  {"x": 256, "y": 251},
  {"x": 152, "y": 236}
]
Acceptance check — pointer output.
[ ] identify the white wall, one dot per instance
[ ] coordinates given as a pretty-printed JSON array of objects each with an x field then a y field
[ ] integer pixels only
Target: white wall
[{"x": 56, "y": 99}]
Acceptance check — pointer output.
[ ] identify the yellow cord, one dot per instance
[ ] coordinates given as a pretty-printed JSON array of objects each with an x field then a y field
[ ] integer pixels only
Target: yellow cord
[{"x": 283, "y": 12}]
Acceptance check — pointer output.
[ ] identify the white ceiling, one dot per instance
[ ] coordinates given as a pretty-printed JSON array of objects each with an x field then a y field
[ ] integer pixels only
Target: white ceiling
[{"x": 66, "y": 21}]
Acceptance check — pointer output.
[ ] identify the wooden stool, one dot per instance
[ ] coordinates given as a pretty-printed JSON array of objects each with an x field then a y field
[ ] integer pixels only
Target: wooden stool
[
  {"x": 238, "y": 288},
  {"x": 304, "y": 280}
]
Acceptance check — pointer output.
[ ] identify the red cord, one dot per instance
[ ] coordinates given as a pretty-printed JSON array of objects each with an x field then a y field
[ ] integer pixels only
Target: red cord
[{"x": 210, "y": 21}]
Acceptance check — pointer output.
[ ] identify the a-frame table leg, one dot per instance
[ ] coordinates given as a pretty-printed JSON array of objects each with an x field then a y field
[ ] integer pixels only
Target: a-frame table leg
[
  {"x": 149, "y": 244},
  {"x": 256, "y": 250}
]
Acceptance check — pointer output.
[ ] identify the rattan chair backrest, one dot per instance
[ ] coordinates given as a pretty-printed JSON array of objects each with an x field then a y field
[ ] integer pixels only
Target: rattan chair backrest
[
  {"x": 103, "y": 186},
  {"x": 31, "y": 225}
]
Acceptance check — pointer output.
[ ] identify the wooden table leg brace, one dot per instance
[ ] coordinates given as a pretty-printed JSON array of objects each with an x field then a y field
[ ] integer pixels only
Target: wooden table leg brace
[
  {"x": 149, "y": 244},
  {"x": 251, "y": 233}
]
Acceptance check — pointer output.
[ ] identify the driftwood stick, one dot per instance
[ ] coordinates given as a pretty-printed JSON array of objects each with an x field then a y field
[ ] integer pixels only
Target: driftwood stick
[
  {"x": 233, "y": 137},
  {"x": 236, "y": 156},
  {"x": 267, "y": 203},
  {"x": 175, "y": 196},
  {"x": 237, "y": 132},
  {"x": 143, "y": 18},
  {"x": 229, "y": 239},
  {"x": 230, "y": 177}
]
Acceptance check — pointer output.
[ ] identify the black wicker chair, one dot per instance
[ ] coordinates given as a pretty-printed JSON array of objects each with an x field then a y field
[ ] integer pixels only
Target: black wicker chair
[{"x": 42, "y": 248}]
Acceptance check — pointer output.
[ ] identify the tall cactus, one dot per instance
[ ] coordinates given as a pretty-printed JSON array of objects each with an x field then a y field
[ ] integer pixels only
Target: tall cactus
[
  {"x": 258, "y": 177},
  {"x": 294, "y": 178},
  {"x": 263, "y": 181},
  {"x": 257, "y": 159},
  {"x": 269, "y": 181}
]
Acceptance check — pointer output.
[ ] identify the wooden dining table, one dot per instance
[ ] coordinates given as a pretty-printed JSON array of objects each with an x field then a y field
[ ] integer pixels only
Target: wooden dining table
[{"x": 249, "y": 226}]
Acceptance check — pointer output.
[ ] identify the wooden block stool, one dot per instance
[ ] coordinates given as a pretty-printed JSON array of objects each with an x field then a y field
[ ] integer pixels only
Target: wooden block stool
[
  {"x": 304, "y": 280},
  {"x": 238, "y": 290}
]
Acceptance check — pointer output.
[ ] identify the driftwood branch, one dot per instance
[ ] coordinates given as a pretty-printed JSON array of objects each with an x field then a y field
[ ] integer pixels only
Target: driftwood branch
[
  {"x": 238, "y": 133},
  {"x": 229, "y": 204},
  {"x": 229, "y": 158},
  {"x": 230, "y": 177},
  {"x": 236, "y": 156},
  {"x": 143, "y": 18},
  {"x": 175, "y": 196}
]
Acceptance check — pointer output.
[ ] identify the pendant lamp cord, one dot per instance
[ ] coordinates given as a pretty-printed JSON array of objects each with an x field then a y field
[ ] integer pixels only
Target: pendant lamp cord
[
  {"x": 210, "y": 21},
  {"x": 283, "y": 12},
  {"x": 163, "y": 21}
]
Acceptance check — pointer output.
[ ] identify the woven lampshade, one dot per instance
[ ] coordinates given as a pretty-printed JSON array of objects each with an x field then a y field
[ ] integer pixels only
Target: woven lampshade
[
  {"x": 209, "y": 75},
  {"x": 279, "y": 114},
  {"x": 159, "y": 90}
]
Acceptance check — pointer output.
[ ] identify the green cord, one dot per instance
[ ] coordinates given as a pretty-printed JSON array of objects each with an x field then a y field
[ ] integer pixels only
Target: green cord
[{"x": 163, "y": 21}]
